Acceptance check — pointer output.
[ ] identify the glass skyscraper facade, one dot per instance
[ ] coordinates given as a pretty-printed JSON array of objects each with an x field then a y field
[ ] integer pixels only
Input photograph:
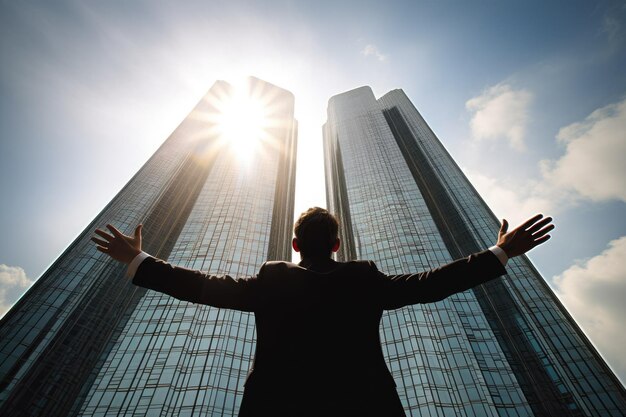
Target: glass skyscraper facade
[
  {"x": 505, "y": 348},
  {"x": 85, "y": 341}
]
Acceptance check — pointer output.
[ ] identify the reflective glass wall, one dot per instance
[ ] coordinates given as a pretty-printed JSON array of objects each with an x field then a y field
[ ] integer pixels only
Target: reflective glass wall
[
  {"x": 506, "y": 348},
  {"x": 216, "y": 197}
]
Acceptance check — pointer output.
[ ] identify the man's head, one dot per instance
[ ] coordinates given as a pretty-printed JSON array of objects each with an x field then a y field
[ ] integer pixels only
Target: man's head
[{"x": 316, "y": 233}]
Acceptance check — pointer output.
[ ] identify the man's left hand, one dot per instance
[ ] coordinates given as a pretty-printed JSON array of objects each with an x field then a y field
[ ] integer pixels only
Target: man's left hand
[{"x": 523, "y": 238}]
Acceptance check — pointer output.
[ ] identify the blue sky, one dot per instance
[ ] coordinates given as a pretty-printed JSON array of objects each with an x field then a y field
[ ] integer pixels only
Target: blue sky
[{"x": 528, "y": 97}]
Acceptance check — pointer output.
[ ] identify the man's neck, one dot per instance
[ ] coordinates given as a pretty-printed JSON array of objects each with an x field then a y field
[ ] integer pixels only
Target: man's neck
[{"x": 316, "y": 262}]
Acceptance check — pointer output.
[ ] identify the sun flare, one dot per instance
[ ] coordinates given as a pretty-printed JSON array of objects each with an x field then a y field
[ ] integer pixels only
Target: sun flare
[{"x": 242, "y": 121}]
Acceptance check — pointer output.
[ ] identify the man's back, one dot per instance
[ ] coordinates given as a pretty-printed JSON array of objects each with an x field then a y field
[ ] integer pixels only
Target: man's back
[
  {"x": 318, "y": 347},
  {"x": 318, "y": 341}
]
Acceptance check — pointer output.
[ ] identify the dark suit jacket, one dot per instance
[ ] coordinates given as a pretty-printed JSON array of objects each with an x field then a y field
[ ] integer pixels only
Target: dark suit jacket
[{"x": 318, "y": 350}]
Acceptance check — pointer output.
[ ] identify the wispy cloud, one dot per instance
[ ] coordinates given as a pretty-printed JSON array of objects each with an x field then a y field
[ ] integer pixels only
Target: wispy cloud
[
  {"x": 500, "y": 112},
  {"x": 13, "y": 283},
  {"x": 593, "y": 165},
  {"x": 594, "y": 292},
  {"x": 612, "y": 27},
  {"x": 516, "y": 200},
  {"x": 590, "y": 169},
  {"x": 372, "y": 50}
]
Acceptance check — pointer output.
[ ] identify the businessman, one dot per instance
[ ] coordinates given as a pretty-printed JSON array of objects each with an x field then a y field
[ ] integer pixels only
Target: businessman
[{"x": 318, "y": 350}]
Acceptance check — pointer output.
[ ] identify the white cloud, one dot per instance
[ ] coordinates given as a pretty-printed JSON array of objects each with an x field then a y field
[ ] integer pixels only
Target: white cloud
[
  {"x": 517, "y": 200},
  {"x": 500, "y": 112},
  {"x": 594, "y": 293},
  {"x": 593, "y": 163},
  {"x": 13, "y": 283},
  {"x": 372, "y": 50},
  {"x": 590, "y": 169}
]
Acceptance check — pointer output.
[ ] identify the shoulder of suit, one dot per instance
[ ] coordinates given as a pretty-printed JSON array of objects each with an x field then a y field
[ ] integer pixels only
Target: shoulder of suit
[
  {"x": 282, "y": 265},
  {"x": 273, "y": 266},
  {"x": 363, "y": 263},
  {"x": 285, "y": 263},
  {"x": 278, "y": 264}
]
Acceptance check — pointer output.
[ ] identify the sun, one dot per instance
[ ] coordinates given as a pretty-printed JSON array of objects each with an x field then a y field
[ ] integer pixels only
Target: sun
[{"x": 243, "y": 120}]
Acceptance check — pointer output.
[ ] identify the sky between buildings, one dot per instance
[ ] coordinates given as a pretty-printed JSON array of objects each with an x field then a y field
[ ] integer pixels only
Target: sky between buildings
[{"x": 529, "y": 98}]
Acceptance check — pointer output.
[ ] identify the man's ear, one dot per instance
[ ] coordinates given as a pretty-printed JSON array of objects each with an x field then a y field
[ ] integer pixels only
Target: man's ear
[
  {"x": 294, "y": 245},
  {"x": 336, "y": 245}
]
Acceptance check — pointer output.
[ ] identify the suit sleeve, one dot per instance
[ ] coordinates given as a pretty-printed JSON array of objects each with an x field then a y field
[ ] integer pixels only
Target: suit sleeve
[
  {"x": 197, "y": 287},
  {"x": 426, "y": 287}
]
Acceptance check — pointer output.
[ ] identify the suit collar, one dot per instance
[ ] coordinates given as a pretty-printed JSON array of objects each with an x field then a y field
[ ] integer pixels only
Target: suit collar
[{"x": 323, "y": 265}]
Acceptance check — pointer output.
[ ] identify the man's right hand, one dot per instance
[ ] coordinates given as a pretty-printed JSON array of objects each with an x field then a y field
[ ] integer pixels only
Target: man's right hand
[
  {"x": 526, "y": 236},
  {"x": 119, "y": 246}
]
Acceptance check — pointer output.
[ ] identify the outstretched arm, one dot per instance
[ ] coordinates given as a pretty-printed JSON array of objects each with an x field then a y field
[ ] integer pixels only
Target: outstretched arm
[
  {"x": 463, "y": 274},
  {"x": 184, "y": 284}
]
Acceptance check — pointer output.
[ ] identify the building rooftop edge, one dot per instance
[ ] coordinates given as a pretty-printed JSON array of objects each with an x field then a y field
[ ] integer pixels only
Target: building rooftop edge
[{"x": 351, "y": 92}]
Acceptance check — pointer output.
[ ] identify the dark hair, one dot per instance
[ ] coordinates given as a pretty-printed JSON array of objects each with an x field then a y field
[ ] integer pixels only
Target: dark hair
[{"x": 316, "y": 230}]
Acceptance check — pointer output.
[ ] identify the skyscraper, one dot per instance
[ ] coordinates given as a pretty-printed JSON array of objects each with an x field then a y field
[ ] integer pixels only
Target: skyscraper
[
  {"x": 505, "y": 348},
  {"x": 218, "y": 195}
]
